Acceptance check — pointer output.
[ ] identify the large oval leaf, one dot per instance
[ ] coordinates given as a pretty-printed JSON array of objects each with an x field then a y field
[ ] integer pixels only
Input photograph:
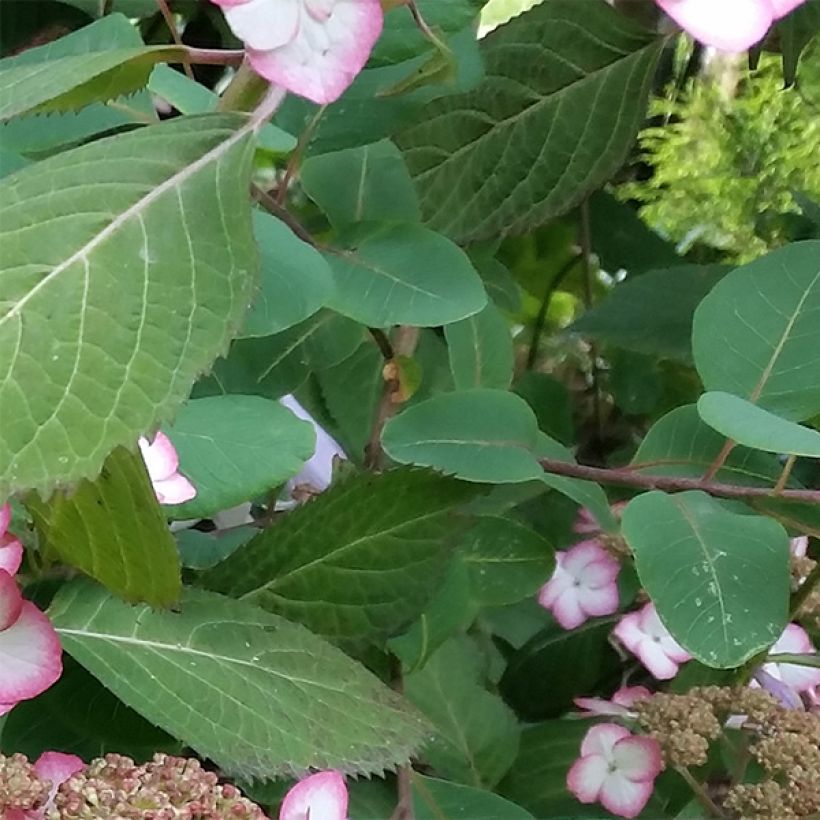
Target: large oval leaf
[
  {"x": 118, "y": 288},
  {"x": 757, "y": 334},
  {"x": 256, "y": 694},
  {"x": 565, "y": 92},
  {"x": 405, "y": 274},
  {"x": 720, "y": 580}
]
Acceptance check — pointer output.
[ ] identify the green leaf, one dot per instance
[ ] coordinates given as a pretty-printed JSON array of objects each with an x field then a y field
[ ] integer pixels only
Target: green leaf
[
  {"x": 113, "y": 529},
  {"x": 435, "y": 799},
  {"x": 234, "y": 448},
  {"x": 796, "y": 31},
  {"x": 405, "y": 274},
  {"x": 71, "y": 83},
  {"x": 550, "y": 401},
  {"x": 507, "y": 561},
  {"x": 191, "y": 97},
  {"x": 365, "y": 184},
  {"x": 652, "y": 313},
  {"x": 476, "y": 735},
  {"x": 557, "y": 665},
  {"x": 493, "y": 161},
  {"x": 635, "y": 382},
  {"x": 481, "y": 350},
  {"x": 296, "y": 280},
  {"x": 78, "y": 715},
  {"x": 622, "y": 240},
  {"x": 762, "y": 321},
  {"x": 259, "y": 696},
  {"x": 115, "y": 293},
  {"x": 36, "y": 134},
  {"x": 479, "y": 435},
  {"x": 499, "y": 283},
  {"x": 719, "y": 580},
  {"x": 203, "y": 550},
  {"x": 681, "y": 444},
  {"x": 360, "y": 561},
  {"x": 750, "y": 425},
  {"x": 131, "y": 8},
  {"x": 272, "y": 366}
]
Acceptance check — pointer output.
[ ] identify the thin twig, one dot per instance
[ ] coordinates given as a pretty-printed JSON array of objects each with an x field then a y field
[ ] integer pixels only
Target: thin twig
[
  {"x": 295, "y": 158},
  {"x": 540, "y": 319},
  {"x": 383, "y": 343},
  {"x": 404, "y": 344},
  {"x": 586, "y": 260},
  {"x": 168, "y": 16},
  {"x": 720, "y": 460},
  {"x": 214, "y": 56},
  {"x": 805, "y": 590},
  {"x": 784, "y": 476},
  {"x": 404, "y": 786},
  {"x": 280, "y": 212},
  {"x": 627, "y": 477},
  {"x": 699, "y": 792}
]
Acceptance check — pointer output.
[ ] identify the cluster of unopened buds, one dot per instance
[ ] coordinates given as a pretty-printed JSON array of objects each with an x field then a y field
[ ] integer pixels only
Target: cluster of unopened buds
[
  {"x": 62, "y": 787},
  {"x": 617, "y": 767}
]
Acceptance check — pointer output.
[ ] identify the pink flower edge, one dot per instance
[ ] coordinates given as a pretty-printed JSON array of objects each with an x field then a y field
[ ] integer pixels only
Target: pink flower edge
[{"x": 323, "y": 795}]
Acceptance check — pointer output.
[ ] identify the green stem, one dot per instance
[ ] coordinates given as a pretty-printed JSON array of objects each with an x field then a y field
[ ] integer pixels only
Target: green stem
[
  {"x": 700, "y": 793},
  {"x": 540, "y": 319},
  {"x": 245, "y": 91},
  {"x": 805, "y": 590}
]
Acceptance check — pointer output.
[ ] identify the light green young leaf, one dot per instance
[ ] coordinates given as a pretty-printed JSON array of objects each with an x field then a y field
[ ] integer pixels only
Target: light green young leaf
[
  {"x": 258, "y": 695},
  {"x": 113, "y": 529},
  {"x": 479, "y": 435},
  {"x": 752, "y": 426},
  {"x": 495, "y": 160},
  {"x": 295, "y": 281},
  {"x": 481, "y": 350},
  {"x": 477, "y": 735},
  {"x": 720, "y": 580},
  {"x": 757, "y": 334},
  {"x": 366, "y": 184},
  {"x": 233, "y": 448},
  {"x": 405, "y": 274},
  {"x": 118, "y": 289},
  {"x": 360, "y": 561}
]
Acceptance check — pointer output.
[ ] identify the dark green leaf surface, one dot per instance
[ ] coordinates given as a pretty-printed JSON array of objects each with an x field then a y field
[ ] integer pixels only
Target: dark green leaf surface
[
  {"x": 118, "y": 289},
  {"x": 113, "y": 529},
  {"x": 360, "y": 561},
  {"x": 481, "y": 350},
  {"x": 565, "y": 91},
  {"x": 720, "y": 580},
  {"x": 259, "y": 696},
  {"x": 434, "y": 799}
]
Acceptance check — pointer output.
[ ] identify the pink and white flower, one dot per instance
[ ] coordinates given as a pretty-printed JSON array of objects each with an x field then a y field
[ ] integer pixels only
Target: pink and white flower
[
  {"x": 57, "y": 767},
  {"x": 321, "y": 796},
  {"x": 616, "y": 769},
  {"x": 11, "y": 550},
  {"x": 794, "y": 641},
  {"x": 643, "y": 634},
  {"x": 162, "y": 462},
  {"x": 314, "y": 48},
  {"x": 727, "y": 25},
  {"x": 799, "y": 546},
  {"x": 318, "y": 469},
  {"x": 584, "y": 585},
  {"x": 620, "y": 705},
  {"x": 30, "y": 652}
]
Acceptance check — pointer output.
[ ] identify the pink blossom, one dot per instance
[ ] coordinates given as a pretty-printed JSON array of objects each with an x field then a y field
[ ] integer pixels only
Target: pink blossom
[
  {"x": 643, "y": 634},
  {"x": 11, "y": 550},
  {"x": 728, "y": 25},
  {"x": 582, "y": 586},
  {"x": 30, "y": 652},
  {"x": 616, "y": 768},
  {"x": 162, "y": 462},
  {"x": 794, "y": 641},
  {"x": 799, "y": 546},
  {"x": 621, "y": 704},
  {"x": 314, "y": 48},
  {"x": 321, "y": 796},
  {"x": 587, "y": 524},
  {"x": 57, "y": 767},
  {"x": 318, "y": 470}
]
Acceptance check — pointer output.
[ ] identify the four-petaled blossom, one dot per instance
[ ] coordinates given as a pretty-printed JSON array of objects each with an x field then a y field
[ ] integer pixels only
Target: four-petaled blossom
[
  {"x": 321, "y": 796},
  {"x": 794, "y": 641},
  {"x": 616, "y": 768},
  {"x": 314, "y": 48},
  {"x": 643, "y": 634},
  {"x": 30, "y": 651},
  {"x": 582, "y": 586},
  {"x": 318, "y": 470},
  {"x": 621, "y": 704},
  {"x": 728, "y": 25},
  {"x": 11, "y": 550},
  {"x": 162, "y": 462}
]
